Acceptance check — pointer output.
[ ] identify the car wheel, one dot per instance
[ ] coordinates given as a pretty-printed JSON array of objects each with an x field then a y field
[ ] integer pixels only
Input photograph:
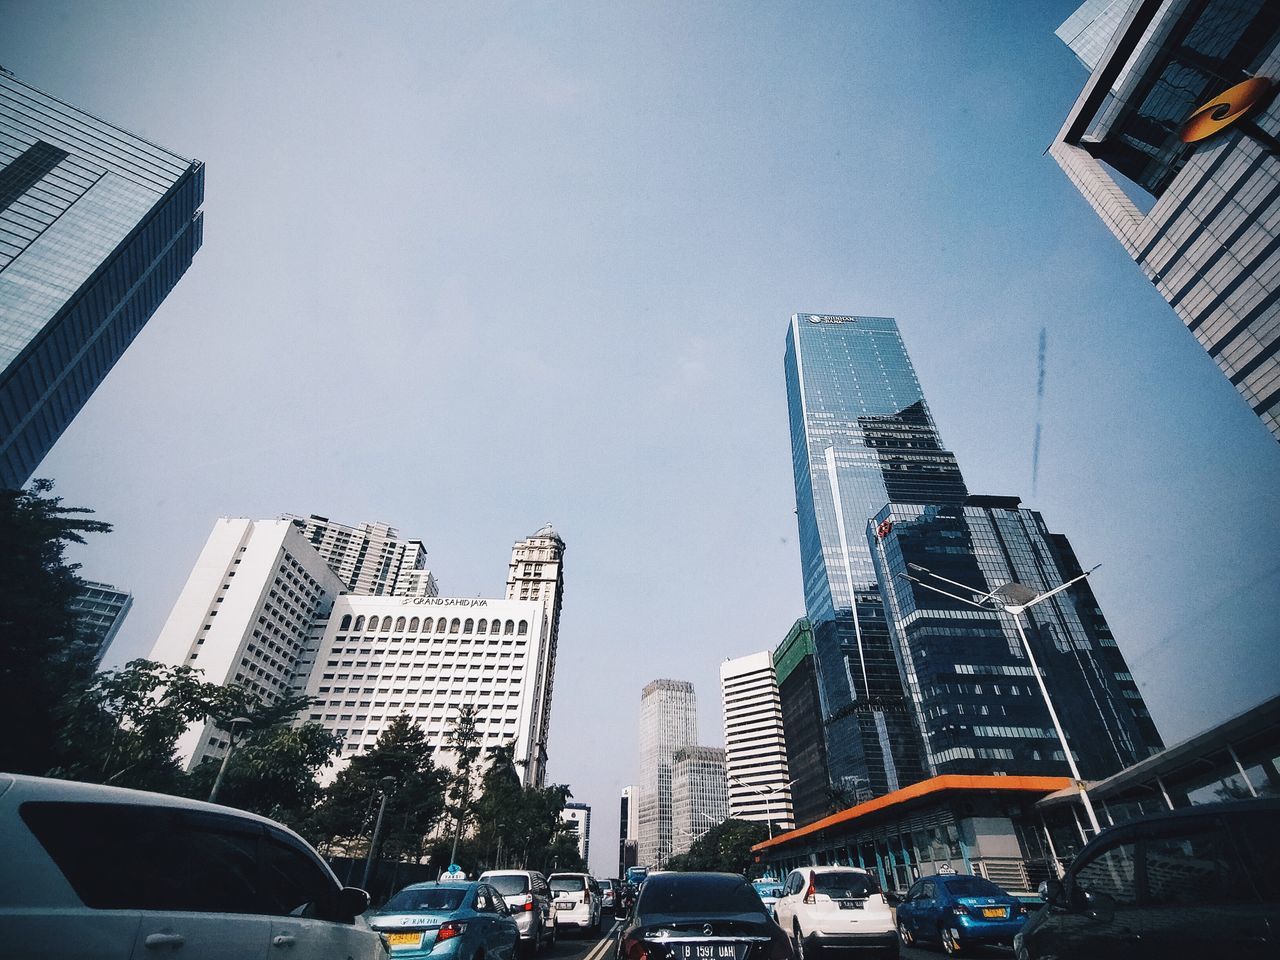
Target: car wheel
[
  {"x": 904, "y": 934},
  {"x": 804, "y": 951},
  {"x": 950, "y": 945}
]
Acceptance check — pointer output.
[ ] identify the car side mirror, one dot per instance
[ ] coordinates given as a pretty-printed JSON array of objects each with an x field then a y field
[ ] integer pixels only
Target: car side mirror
[
  {"x": 893, "y": 899},
  {"x": 350, "y": 903},
  {"x": 1052, "y": 892}
]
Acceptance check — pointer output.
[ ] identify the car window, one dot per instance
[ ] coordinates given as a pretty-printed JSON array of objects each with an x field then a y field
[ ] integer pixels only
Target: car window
[
  {"x": 499, "y": 905},
  {"x": 678, "y": 893},
  {"x": 484, "y": 901},
  {"x": 1193, "y": 867},
  {"x": 1111, "y": 871},
  {"x": 295, "y": 885},
  {"x": 426, "y": 900},
  {"x": 793, "y": 884},
  {"x": 973, "y": 887},
  {"x": 1259, "y": 843},
  {"x": 928, "y": 892},
  {"x": 567, "y": 884},
  {"x": 844, "y": 884},
  {"x": 510, "y": 885},
  {"x": 126, "y": 856}
]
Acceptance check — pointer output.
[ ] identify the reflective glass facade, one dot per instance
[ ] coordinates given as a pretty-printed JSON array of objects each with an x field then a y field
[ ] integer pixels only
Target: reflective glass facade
[
  {"x": 96, "y": 227},
  {"x": 1210, "y": 241},
  {"x": 861, "y": 436},
  {"x": 668, "y": 722},
  {"x": 972, "y": 690}
]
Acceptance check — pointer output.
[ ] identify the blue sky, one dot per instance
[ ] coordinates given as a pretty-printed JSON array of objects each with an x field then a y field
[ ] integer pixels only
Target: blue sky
[{"x": 472, "y": 267}]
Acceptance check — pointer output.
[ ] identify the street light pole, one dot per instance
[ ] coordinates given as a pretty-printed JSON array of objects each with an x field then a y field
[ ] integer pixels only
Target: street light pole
[
  {"x": 226, "y": 758},
  {"x": 1029, "y": 598},
  {"x": 767, "y": 793},
  {"x": 387, "y": 784}
]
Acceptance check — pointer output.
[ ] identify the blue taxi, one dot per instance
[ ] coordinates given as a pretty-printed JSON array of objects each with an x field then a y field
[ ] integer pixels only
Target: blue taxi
[{"x": 447, "y": 920}]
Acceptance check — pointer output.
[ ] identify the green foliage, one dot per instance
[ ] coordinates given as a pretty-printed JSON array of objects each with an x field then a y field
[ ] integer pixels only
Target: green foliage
[
  {"x": 726, "y": 847},
  {"x": 124, "y": 728},
  {"x": 345, "y": 815},
  {"x": 45, "y": 657},
  {"x": 464, "y": 742}
]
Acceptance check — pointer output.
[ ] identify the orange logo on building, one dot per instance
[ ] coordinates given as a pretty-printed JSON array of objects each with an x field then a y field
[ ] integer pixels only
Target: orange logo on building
[{"x": 1225, "y": 109}]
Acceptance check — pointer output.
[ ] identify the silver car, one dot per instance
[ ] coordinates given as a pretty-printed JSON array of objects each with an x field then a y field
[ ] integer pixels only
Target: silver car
[{"x": 91, "y": 872}]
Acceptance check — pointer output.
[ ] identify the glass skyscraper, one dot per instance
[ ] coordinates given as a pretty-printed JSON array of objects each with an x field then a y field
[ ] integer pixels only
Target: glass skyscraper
[
  {"x": 668, "y": 722},
  {"x": 96, "y": 227},
  {"x": 861, "y": 436}
]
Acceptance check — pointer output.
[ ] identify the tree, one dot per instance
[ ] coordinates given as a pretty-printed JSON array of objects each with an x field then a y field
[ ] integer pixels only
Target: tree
[
  {"x": 123, "y": 729},
  {"x": 464, "y": 743},
  {"x": 344, "y": 817},
  {"x": 45, "y": 655},
  {"x": 726, "y": 848}
]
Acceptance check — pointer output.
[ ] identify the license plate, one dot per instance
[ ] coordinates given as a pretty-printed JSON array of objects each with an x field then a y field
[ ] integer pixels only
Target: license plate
[
  {"x": 709, "y": 951},
  {"x": 995, "y": 913},
  {"x": 850, "y": 904},
  {"x": 413, "y": 939},
  {"x": 564, "y": 904}
]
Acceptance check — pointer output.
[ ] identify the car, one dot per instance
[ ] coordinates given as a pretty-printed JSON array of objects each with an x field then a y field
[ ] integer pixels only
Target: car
[
  {"x": 1196, "y": 882},
  {"x": 768, "y": 889},
  {"x": 576, "y": 898},
  {"x": 448, "y": 919},
  {"x": 959, "y": 911},
  {"x": 842, "y": 907},
  {"x": 607, "y": 890},
  {"x": 696, "y": 916},
  {"x": 91, "y": 872},
  {"x": 528, "y": 895}
]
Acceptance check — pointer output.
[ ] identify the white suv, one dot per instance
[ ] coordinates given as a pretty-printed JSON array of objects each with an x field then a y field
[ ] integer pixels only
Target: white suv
[
  {"x": 836, "y": 907},
  {"x": 92, "y": 872},
  {"x": 577, "y": 900}
]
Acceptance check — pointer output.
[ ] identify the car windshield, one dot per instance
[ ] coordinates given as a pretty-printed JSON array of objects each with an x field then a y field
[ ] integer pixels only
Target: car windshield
[
  {"x": 679, "y": 893},
  {"x": 509, "y": 885},
  {"x": 973, "y": 887},
  {"x": 428, "y": 899},
  {"x": 567, "y": 884},
  {"x": 844, "y": 884},
  {"x": 606, "y": 884}
]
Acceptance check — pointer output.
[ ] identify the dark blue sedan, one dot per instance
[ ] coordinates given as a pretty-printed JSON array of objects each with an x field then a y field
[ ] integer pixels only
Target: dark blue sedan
[
  {"x": 447, "y": 921},
  {"x": 959, "y": 911}
]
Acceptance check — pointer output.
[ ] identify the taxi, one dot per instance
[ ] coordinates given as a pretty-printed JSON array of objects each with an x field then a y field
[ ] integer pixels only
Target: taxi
[{"x": 447, "y": 919}]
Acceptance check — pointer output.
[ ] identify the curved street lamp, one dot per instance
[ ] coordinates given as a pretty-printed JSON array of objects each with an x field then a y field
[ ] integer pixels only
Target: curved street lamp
[
  {"x": 226, "y": 757},
  {"x": 1015, "y": 599}
]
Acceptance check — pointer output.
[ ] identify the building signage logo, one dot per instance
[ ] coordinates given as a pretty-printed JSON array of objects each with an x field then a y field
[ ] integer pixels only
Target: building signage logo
[
  {"x": 821, "y": 318},
  {"x": 1225, "y": 109},
  {"x": 446, "y": 601}
]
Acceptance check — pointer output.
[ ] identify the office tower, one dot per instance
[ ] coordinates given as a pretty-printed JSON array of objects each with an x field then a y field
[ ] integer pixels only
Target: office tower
[
  {"x": 668, "y": 721},
  {"x": 861, "y": 436},
  {"x": 100, "y": 608},
  {"x": 371, "y": 558},
  {"x": 577, "y": 817},
  {"x": 628, "y": 829},
  {"x": 380, "y": 657},
  {"x": 536, "y": 573},
  {"x": 971, "y": 686},
  {"x": 755, "y": 746},
  {"x": 796, "y": 672},
  {"x": 245, "y": 615},
  {"x": 699, "y": 795},
  {"x": 1180, "y": 107},
  {"x": 96, "y": 227}
]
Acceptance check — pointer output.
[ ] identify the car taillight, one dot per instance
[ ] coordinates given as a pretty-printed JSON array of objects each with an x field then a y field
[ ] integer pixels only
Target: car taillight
[
  {"x": 528, "y": 906},
  {"x": 958, "y": 911},
  {"x": 811, "y": 895},
  {"x": 450, "y": 930},
  {"x": 634, "y": 949},
  {"x": 586, "y": 896}
]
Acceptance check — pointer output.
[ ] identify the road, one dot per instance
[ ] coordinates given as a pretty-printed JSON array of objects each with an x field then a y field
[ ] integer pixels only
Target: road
[{"x": 600, "y": 947}]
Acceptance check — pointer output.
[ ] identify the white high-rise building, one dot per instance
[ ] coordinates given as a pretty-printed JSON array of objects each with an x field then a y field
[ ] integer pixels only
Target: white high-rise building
[
  {"x": 754, "y": 745},
  {"x": 371, "y": 558},
  {"x": 244, "y": 615},
  {"x": 578, "y": 817},
  {"x": 699, "y": 798},
  {"x": 379, "y": 657},
  {"x": 668, "y": 721},
  {"x": 536, "y": 574}
]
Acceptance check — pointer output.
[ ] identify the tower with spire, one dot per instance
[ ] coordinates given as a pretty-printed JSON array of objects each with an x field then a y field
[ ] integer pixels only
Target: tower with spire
[{"x": 536, "y": 572}]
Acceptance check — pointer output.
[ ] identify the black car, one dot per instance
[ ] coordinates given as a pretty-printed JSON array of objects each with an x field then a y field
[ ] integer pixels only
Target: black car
[
  {"x": 1196, "y": 882},
  {"x": 701, "y": 916}
]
